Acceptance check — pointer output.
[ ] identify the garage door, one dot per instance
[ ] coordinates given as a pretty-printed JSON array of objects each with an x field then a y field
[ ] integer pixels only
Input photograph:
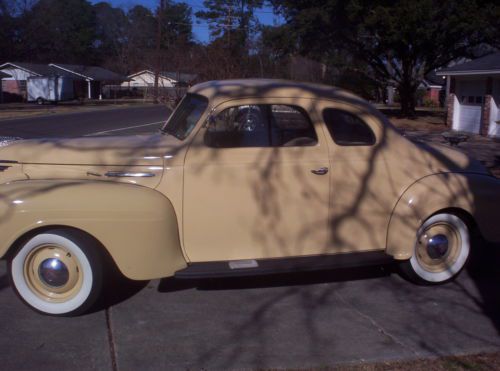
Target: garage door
[{"x": 469, "y": 119}]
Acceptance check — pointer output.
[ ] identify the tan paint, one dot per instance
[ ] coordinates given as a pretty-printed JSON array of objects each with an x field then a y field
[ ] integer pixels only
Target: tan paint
[
  {"x": 245, "y": 202},
  {"x": 242, "y": 203},
  {"x": 476, "y": 194},
  {"x": 137, "y": 225}
]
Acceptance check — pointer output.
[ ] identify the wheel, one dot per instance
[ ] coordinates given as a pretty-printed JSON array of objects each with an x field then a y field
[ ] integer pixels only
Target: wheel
[
  {"x": 441, "y": 251},
  {"x": 39, "y": 101},
  {"x": 58, "y": 272}
]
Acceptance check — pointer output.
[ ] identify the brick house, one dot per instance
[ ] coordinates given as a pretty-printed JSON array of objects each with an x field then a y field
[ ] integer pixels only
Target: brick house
[
  {"x": 434, "y": 89},
  {"x": 473, "y": 95}
]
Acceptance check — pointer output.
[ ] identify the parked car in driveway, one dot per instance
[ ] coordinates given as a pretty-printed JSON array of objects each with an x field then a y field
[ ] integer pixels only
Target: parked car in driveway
[{"x": 246, "y": 177}]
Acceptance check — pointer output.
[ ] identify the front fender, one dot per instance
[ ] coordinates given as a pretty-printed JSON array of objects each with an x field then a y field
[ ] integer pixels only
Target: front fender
[
  {"x": 137, "y": 225},
  {"x": 476, "y": 194}
]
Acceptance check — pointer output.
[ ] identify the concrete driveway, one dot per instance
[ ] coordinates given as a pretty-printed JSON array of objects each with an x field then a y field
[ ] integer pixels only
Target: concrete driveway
[{"x": 299, "y": 320}]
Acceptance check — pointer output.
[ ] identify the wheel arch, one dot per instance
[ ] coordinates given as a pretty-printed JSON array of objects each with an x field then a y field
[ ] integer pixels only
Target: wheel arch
[
  {"x": 136, "y": 226},
  {"x": 30, "y": 233},
  {"x": 468, "y": 196}
]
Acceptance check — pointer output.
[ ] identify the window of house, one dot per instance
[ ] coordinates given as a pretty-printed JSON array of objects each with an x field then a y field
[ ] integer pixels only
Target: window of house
[
  {"x": 347, "y": 129},
  {"x": 261, "y": 126}
]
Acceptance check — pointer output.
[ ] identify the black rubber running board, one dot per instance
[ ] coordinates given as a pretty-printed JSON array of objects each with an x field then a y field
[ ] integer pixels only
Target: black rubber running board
[{"x": 251, "y": 267}]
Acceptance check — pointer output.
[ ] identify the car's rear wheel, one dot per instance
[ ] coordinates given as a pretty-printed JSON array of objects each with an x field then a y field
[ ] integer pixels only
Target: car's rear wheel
[
  {"x": 58, "y": 272},
  {"x": 441, "y": 250}
]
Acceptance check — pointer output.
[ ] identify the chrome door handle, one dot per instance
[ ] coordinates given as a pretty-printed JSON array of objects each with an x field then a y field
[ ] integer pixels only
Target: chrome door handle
[
  {"x": 126, "y": 174},
  {"x": 320, "y": 171}
]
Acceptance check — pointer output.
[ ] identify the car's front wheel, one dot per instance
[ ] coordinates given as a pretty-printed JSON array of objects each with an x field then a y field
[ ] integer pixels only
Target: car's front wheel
[
  {"x": 441, "y": 250},
  {"x": 58, "y": 272}
]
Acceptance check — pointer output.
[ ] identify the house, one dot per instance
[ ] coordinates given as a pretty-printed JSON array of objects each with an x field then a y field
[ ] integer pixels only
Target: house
[
  {"x": 2, "y": 76},
  {"x": 433, "y": 86},
  {"x": 18, "y": 75},
  {"x": 146, "y": 78},
  {"x": 87, "y": 80},
  {"x": 473, "y": 91}
]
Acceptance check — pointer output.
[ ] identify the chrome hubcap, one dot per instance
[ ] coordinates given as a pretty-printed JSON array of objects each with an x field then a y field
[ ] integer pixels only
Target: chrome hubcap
[
  {"x": 53, "y": 272},
  {"x": 437, "y": 246}
]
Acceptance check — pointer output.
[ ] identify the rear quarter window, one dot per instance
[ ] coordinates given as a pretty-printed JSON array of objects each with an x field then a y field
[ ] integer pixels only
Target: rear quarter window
[{"x": 347, "y": 129}]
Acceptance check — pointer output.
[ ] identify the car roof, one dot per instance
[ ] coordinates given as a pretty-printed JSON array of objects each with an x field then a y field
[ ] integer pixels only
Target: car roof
[{"x": 221, "y": 90}]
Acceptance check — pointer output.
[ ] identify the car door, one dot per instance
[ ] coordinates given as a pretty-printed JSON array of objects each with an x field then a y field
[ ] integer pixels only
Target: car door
[
  {"x": 363, "y": 192},
  {"x": 256, "y": 183}
]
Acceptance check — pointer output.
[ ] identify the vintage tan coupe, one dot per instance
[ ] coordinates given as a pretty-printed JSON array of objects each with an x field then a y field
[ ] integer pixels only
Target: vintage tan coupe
[{"x": 247, "y": 177}]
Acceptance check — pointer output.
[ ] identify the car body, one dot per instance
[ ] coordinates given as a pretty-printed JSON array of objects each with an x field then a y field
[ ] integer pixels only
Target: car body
[{"x": 247, "y": 177}]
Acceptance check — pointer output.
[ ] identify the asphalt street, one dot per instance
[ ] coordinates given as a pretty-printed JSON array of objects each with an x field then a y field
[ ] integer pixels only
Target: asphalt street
[
  {"x": 287, "y": 321},
  {"x": 114, "y": 121}
]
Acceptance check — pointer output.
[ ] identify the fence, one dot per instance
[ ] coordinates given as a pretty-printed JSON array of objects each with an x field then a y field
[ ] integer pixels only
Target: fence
[{"x": 143, "y": 92}]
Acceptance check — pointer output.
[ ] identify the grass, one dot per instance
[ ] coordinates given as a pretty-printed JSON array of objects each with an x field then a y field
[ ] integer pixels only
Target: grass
[{"x": 476, "y": 362}]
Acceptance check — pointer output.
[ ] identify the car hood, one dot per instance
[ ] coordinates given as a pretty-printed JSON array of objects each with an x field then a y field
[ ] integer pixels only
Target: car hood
[{"x": 112, "y": 151}]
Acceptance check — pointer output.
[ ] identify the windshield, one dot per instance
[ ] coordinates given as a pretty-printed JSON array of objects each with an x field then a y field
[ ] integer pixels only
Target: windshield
[{"x": 185, "y": 116}]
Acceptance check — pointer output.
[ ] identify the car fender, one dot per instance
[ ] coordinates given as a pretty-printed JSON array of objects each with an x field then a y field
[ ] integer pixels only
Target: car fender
[
  {"x": 137, "y": 225},
  {"x": 475, "y": 194}
]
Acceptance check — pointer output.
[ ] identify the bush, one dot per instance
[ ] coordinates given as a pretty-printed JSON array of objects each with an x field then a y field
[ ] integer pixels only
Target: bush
[{"x": 429, "y": 103}]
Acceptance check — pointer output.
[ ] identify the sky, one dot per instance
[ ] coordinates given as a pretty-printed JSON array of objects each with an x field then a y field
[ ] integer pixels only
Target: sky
[{"x": 200, "y": 28}]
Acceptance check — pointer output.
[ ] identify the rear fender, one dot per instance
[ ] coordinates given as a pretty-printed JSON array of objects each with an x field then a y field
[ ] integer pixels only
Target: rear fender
[{"x": 474, "y": 194}]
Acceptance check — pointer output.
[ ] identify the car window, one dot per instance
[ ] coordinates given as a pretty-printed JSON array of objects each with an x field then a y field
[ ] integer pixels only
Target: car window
[
  {"x": 268, "y": 125},
  {"x": 185, "y": 116},
  {"x": 347, "y": 129}
]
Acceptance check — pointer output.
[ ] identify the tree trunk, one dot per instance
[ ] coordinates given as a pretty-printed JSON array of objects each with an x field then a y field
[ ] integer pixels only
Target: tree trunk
[{"x": 407, "y": 95}]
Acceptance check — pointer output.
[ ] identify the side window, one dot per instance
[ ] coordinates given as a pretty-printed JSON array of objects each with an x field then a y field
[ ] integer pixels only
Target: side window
[
  {"x": 347, "y": 129},
  {"x": 260, "y": 126}
]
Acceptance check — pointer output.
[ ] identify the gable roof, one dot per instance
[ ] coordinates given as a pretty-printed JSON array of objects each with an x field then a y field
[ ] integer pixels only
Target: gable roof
[
  {"x": 68, "y": 70},
  {"x": 34, "y": 68},
  {"x": 89, "y": 72},
  {"x": 180, "y": 77},
  {"x": 431, "y": 79},
  {"x": 2, "y": 75},
  {"x": 489, "y": 64},
  {"x": 148, "y": 72},
  {"x": 173, "y": 76}
]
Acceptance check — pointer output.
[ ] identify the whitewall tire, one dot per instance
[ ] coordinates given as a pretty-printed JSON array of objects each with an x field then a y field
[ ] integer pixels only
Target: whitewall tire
[
  {"x": 442, "y": 249},
  {"x": 57, "y": 272}
]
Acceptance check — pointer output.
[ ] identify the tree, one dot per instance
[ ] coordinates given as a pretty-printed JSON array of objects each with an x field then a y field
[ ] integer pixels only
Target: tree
[
  {"x": 400, "y": 41},
  {"x": 232, "y": 25},
  {"x": 55, "y": 30},
  {"x": 111, "y": 29}
]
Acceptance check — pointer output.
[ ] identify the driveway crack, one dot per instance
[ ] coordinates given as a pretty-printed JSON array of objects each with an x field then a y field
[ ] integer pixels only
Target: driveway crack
[
  {"x": 111, "y": 341},
  {"x": 377, "y": 325}
]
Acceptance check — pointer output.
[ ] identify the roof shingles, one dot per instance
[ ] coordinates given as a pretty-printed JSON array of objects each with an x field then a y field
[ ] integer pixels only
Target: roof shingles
[{"x": 488, "y": 63}]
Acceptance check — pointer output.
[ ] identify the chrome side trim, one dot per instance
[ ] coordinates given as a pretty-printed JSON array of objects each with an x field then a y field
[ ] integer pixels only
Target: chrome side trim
[{"x": 125, "y": 174}]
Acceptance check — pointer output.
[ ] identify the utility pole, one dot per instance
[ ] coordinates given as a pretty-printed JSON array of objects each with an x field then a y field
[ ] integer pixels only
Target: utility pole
[{"x": 161, "y": 7}]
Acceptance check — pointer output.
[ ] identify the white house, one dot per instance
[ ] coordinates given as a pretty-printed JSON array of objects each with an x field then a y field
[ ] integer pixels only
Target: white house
[
  {"x": 87, "y": 80},
  {"x": 146, "y": 78},
  {"x": 473, "y": 90}
]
